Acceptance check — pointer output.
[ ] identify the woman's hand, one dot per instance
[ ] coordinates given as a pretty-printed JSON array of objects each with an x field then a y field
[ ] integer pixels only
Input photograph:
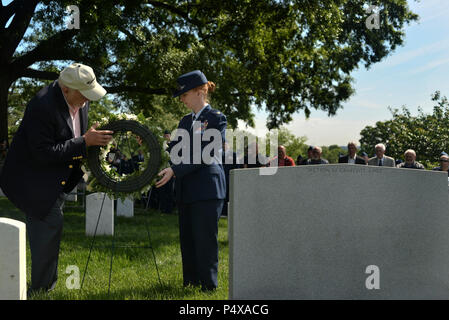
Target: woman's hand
[{"x": 166, "y": 174}]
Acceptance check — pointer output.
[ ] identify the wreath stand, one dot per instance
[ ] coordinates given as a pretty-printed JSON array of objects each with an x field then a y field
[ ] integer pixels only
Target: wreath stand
[{"x": 126, "y": 186}]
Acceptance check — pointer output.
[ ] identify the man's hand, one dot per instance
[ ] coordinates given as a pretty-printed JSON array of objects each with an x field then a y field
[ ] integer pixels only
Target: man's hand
[
  {"x": 167, "y": 174},
  {"x": 95, "y": 137}
]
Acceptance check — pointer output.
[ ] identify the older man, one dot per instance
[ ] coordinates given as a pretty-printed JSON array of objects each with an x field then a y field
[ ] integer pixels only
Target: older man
[
  {"x": 309, "y": 156},
  {"x": 410, "y": 161},
  {"x": 282, "y": 159},
  {"x": 381, "y": 159},
  {"x": 43, "y": 163},
  {"x": 444, "y": 163},
  {"x": 352, "y": 156},
  {"x": 316, "y": 157}
]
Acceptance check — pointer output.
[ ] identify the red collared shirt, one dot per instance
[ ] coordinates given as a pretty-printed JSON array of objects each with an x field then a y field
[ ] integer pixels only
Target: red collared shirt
[{"x": 286, "y": 162}]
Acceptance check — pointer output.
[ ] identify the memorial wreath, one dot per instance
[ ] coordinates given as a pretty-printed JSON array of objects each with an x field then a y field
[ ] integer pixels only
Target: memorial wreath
[{"x": 128, "y": 165}]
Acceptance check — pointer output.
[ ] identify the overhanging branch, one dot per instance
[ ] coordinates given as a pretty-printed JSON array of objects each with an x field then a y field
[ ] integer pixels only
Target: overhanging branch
[
  {"x": 37, "y": 74},
  {"x": 50, "y": 75},
  {"x": 11, "y": 37},
  {"x": 53, "y": 48},
  {"x": 9, "y": 10},
  {"x": 175, "y": 10},
  {"x": 136, "y": 89}
]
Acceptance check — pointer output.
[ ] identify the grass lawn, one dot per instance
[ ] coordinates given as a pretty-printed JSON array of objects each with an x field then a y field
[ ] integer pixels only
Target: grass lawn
[{"x": 134, "y": 275}]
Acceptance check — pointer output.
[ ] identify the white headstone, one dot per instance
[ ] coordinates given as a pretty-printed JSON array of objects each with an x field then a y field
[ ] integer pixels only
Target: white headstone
[
  {"x": 94, "y": 203},
  {"x": 1, "y": 193},
  {"x": 338, "y": 232},
  {"x": 73, "y": 195},
  {"x": 13, "y": 284},
  {"x": 125, "y": 208}
]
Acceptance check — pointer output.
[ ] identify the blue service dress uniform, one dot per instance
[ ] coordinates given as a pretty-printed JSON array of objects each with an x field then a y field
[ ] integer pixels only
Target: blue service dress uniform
[{"x": 200, "y": 193}]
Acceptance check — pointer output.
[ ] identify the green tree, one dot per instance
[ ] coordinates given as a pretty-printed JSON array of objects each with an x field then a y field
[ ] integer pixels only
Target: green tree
[
  {"x": 294, "y": 145},
  {"x": 284, "y": 56},
  {"x": 427, "y": 134},
  {"x": 332, "y": 153},
  {"x": 20, "y": 93}
]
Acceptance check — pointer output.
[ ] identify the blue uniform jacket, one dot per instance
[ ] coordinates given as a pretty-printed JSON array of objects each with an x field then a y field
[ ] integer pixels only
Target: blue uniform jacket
[{"x": 200, "y": 181}]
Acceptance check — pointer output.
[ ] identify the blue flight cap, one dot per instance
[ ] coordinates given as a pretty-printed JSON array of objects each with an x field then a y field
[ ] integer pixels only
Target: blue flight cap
[
  {"x": 189, "y": 81},
  {"x": 443, "y": 154}
]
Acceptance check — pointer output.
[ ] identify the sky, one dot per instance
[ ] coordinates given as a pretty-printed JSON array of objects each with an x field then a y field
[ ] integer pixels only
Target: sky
[{"x": 408, "y": 76}]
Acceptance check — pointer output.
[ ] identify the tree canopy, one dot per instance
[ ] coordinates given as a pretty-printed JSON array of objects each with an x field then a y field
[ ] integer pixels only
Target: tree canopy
[
  {"x": 427, "y": 134},
  {"x": 284, "y": 56}
]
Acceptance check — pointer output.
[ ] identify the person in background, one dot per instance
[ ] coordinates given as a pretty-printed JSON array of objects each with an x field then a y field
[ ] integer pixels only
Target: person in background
[
  {"x": 316, "y": 157},
  {"x": 282, "y": 159},
  {"x": 254, "y": 159},
  {"x": 167, "y": 137},
  {"x": 410, "y": 161},
  {"x": 160, "y": 197},
  {"x": 352, "y": 156},
  {"x": 309, "y": 156},
  {"x": 166, "y": 192},
  {"x": 381, "y": 159},
  {"x": 125, "y": 166},
  {"x": 230, "y": 161},
  {"x": 365, "y": 157},
  {"x": 444, "y": 163}
]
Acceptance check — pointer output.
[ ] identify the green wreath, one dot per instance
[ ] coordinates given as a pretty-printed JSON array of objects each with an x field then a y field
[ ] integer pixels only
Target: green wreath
[{"x": 131, "y": 138}]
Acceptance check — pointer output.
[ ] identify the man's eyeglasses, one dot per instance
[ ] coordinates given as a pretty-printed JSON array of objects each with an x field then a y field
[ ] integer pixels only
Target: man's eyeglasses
[{"x": 442, "y": 160}]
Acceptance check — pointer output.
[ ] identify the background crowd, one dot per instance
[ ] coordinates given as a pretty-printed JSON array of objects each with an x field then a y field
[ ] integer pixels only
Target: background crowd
[{"x": 163, "y": 199}]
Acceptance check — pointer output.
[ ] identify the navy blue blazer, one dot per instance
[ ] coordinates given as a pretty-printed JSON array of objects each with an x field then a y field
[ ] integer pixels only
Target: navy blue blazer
[
  {"x": 44, "y": 157},
  {"x": 200, "y": 181}
]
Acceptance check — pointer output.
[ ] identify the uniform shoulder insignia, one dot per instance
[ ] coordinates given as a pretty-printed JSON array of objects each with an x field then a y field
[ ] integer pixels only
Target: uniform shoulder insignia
[{"x": 217, "y": 112}]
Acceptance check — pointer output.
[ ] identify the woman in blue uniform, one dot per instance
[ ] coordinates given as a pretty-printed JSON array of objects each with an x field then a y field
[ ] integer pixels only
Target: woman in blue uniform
[{"x": 200, "y": 185}]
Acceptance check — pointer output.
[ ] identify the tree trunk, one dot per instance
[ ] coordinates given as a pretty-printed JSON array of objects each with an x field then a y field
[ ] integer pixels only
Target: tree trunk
[{"x": 4, "y": 86}]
